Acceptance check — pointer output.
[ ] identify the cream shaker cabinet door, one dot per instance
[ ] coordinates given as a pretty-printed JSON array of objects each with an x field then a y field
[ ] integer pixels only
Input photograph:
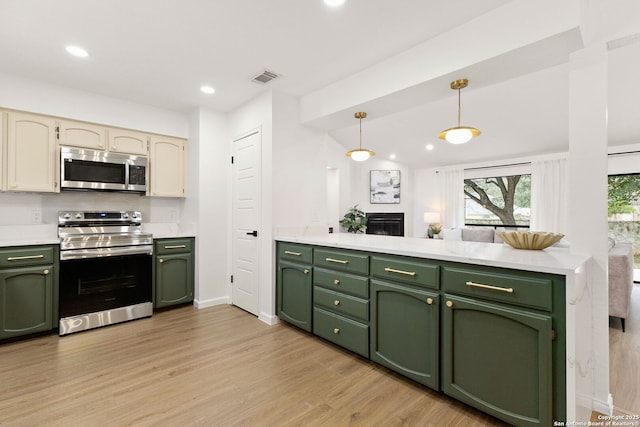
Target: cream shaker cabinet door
[
  {"x": 79, "y": 134},
  {"x": 31, "y": 153},
  {"x": 128, "y": 141},
  {"x": 167, "y": 167}
]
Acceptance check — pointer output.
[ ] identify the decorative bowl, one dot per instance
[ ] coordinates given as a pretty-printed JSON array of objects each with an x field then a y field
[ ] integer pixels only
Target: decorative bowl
[{"x": 529, "y": 239}]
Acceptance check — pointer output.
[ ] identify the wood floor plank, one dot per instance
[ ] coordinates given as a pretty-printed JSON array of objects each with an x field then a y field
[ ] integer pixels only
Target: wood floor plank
[{"x": 212, "y": 367}]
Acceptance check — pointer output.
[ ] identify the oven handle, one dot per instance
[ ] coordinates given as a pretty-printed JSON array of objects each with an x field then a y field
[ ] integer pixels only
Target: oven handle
[{"x": 106, "y": 252}]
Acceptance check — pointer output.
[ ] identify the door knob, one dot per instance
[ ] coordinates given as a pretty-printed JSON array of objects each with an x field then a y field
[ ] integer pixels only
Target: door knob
[{"x": 253, "y": 233}]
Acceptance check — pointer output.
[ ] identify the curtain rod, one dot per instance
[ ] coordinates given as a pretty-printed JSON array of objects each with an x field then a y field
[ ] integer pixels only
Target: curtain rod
[
  {"x": 495, "y": 167},
  {"x": 624, "y": 153}
]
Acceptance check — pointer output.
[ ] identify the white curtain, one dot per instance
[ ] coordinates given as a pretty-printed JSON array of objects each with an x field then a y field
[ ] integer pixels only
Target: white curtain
[
  {"x": 452, "y": 198},
  {"x": 549, "y": 196}
]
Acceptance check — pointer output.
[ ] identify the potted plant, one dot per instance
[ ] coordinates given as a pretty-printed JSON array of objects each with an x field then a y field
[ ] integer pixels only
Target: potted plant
[
  {"x": 355, "y": 221},
  {"x": 434, "y": 230}
]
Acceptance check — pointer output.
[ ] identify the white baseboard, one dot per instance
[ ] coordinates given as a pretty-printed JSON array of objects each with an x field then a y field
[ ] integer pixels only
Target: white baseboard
[
  {"x": 211, "y": 302},
  {"x": 604, "y": 407},
  {"x": 269, "y": 319}
]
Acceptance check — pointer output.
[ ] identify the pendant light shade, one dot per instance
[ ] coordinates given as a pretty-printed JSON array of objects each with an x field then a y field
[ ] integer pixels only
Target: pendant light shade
[
  {"x": 459, "y": 134},
  {"x": 360, "y": 154}
]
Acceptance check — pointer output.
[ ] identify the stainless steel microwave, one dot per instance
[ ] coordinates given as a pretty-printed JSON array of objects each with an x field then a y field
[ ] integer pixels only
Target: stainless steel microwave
[{"x": 84, "y": 169}]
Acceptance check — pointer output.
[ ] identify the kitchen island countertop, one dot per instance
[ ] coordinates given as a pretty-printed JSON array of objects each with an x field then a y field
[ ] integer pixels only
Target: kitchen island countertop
[{"x": 551, "y": 260}]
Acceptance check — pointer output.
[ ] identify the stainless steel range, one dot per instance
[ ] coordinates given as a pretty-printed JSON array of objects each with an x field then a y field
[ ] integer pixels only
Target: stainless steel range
[{"x": 105, "y": 269}]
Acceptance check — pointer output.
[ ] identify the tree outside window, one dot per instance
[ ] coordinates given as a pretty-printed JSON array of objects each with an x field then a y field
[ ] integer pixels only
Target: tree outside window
[{"x": 498, "y": 201}]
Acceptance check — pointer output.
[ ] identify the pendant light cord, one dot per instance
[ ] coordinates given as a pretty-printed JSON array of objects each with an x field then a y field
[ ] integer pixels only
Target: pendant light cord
[
  {"x": 361, "y": 133},
  {"x": 458, "y": 107}
]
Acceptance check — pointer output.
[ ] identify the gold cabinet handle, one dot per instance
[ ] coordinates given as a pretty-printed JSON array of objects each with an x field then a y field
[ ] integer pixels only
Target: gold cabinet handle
[
  {"x": 336, "y": 330},
  {"x": 336, "y": 302},
  {"x": 393, "y": 270},
  {"x": 161, "y": 260},
  {"x": 175, "y": 246},
  {"x": 45, "y": 272},
  {"x": 336, "y": 282},
  {"x": 293, "y": 253},
  {"x": 18, "y": 258},
  {"x": 429, "y": 301},
  {"x": 493, "y": 288},
  {"x": 337, "y": 261},
  {"x": 449, "y": 304},
  {"x": 306, "y": 271}
]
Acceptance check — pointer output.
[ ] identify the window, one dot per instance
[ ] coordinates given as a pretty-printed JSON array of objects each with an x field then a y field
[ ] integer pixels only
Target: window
[
  {"x": 498, "y": 201},
  {"x": 624, "y": 211}
]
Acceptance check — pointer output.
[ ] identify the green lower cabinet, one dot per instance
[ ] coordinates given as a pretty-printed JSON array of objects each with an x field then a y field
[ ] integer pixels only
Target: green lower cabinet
[
  {"x": 294, "y": 288},
  {"x": 340, "y": 330},
  {"x": 173, "y": 272},
  {"x": 404, "y": 331},
  {"x": 26, "y": 300},
  {"x": 498, "y": 359}
]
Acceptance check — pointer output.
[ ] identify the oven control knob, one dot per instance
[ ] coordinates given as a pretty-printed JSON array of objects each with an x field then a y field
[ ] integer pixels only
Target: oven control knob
[
  {"x": 126, "y": 215},
  {"x": 78, "y": 215},
  {"x": 66, "y": 216}
]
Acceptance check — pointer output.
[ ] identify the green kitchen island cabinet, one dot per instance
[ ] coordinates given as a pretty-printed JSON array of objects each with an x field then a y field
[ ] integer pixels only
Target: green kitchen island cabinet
[
  {"x": 173, "y": 271},
  {"x": 484, "y": 323},
  {"x": 405, "y": 317},
  {"x": 28, "y": 290},
  {"x": 294, "y": 284}
]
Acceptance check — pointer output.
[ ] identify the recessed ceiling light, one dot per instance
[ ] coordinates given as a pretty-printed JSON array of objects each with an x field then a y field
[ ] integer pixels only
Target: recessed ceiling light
[
  {"x": 429, "y": 147},
  {"x": 334, "y": 3},
  {"x": 77, "y": 51},
  {"x": 392, "y": 156},
  {"x": 207, "y": 89}
]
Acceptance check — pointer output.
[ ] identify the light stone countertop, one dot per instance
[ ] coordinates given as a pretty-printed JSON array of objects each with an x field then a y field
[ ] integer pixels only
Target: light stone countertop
[{"x": 551, "y": 260}]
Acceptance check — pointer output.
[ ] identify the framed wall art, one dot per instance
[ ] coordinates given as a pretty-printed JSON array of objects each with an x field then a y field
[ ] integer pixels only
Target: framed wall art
[{"x": 385, "y": 186}]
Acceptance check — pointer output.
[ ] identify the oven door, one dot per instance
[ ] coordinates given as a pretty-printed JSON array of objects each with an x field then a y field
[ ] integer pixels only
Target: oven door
[{"x": 89, "y": 285}]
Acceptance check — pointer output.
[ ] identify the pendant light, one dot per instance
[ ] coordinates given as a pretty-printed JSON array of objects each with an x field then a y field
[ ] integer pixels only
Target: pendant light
[
  {"x": 360, "y": 154},
  {"x": 459, "y": 134}
]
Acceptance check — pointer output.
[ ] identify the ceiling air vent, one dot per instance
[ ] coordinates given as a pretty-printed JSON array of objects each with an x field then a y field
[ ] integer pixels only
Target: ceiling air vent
[{"x": 265, "y": 77}]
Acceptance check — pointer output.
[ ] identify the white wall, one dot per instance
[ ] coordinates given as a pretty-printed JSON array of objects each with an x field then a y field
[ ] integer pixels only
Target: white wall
[
  {"x": 360, "y": 185},
  {"x": 208, "y": 193}
]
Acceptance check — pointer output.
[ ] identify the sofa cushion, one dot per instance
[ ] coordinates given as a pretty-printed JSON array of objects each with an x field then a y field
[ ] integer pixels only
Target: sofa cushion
[
  {"x": 620, "y": 279},
  {"x": 451, "y": 234},
  {"x": 478, "y": 234}
]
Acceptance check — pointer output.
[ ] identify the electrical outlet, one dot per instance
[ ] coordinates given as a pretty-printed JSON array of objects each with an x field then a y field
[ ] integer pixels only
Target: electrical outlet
[{"x": 36, "y": 217}]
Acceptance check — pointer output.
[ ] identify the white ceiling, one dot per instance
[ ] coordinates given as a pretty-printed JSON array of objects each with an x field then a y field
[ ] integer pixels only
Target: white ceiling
[{"x": 159, "y": 52}]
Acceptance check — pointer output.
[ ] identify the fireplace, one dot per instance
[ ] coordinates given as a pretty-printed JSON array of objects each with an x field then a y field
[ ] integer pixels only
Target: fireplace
[{"x": 386, "y": 223}]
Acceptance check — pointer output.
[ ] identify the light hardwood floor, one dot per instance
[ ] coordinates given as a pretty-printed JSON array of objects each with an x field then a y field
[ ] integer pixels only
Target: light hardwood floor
[
  {"x": 213, "y": 367},
  {"x": 624, "y": 359}
]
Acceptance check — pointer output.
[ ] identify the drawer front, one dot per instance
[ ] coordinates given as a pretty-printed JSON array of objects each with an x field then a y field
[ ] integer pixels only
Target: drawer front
[
  {"x": 514, "y": 288},
  {"x": 295, "y": 252},
  {"x": 26, "y": 256},
  {"x": 348, "y": 261},
  {"x": 342, "y": 282},
  {"x": 339, "y": 330},
  {"x": 173, "y": 246},
  {"x": 407, "y": 270},
  {"x": 341, "y": 303}
]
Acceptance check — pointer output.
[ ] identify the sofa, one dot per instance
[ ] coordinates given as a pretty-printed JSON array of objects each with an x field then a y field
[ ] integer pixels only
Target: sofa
[
  {"x": 486, "y": 235},
  {"x": 620, "y": 279}
]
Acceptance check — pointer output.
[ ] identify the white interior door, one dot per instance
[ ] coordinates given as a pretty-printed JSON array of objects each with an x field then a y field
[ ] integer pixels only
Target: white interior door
[{"x": 246, "y": 220}]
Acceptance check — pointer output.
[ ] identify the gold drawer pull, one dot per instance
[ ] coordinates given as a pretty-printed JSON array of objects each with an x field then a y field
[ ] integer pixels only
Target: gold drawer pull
[
  {"x": 406, "y": 273},
  {"x": 306, "y": 271},
  {"x": 45, "y": 272},
  {"x": 339, "y": 261},
  {"x": 494, "y": 288},
  {"x": 429, "y": 301},
  {"x": 293, "y": 253},
  {"x": 175, "y": 246},
  {"x": 18, "y": 258},
  {"x": 449, "y": 304},
  {"x": 336, "y": 330},
  {"x": 161, "y": 260},
  {"x": 336, "y": 302},
  {"x": 336, "y": 282}
]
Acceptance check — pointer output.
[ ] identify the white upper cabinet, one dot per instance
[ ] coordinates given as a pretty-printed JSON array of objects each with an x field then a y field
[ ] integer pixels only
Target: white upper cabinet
[
  {"x": 78, "y": 134},
  {"x": 31, "y": 153},
  {"x": 167, "y": 167},
  {"x": 128, "y": 141}
]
